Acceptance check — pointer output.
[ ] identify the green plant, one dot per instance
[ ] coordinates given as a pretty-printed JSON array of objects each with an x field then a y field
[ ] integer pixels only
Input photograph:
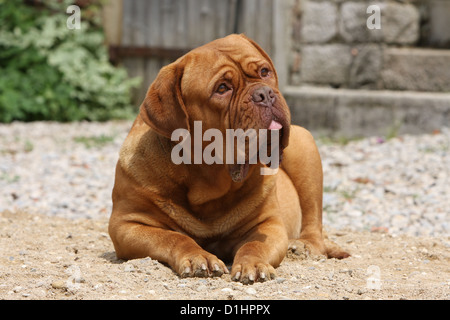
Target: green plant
[
  {"x": 50, "y": 72},
  {"x": 94, "y": 141}
]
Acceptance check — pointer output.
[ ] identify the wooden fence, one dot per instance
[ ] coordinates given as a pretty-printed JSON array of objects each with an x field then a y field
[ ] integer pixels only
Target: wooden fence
[{"x": 145, "y": 35}]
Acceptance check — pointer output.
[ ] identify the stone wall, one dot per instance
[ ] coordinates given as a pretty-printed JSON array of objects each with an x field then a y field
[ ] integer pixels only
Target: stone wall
[{"x": 333, "y": 47}]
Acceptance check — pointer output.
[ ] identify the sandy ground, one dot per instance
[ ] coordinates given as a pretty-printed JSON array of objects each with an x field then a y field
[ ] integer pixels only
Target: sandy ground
[{"x": 44, "y": 257}]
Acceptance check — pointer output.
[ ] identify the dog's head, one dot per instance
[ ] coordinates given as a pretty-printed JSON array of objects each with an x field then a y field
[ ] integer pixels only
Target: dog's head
[{"x": 230, "y": 83}]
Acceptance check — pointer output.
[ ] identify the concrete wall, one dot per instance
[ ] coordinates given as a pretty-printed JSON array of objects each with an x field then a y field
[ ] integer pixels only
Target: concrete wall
[
  {"x": 348, "y": 80},
  {"x": 332, "y": 45}
]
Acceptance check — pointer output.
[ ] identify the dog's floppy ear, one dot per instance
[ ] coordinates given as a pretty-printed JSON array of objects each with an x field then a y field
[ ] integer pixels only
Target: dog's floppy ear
[
  {"x": 264, "y": 54},
  {"x": 163, "y": 108}
]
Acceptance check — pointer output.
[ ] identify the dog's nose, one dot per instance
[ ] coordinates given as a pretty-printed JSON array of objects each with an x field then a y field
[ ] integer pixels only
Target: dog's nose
[{"x": 263, "y": 96}]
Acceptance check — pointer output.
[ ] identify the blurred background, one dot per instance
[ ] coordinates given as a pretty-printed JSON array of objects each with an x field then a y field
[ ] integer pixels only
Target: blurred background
[{"x": 339, "y": 77}]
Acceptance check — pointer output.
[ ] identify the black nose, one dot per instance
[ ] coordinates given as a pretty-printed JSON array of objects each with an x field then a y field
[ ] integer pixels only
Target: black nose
[{"x": 264, "y": 96}]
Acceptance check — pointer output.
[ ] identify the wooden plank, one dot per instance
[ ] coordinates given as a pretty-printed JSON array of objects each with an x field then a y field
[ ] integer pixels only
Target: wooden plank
[
  {"x": 281, "y": 39},
  {"x": 154, "y": 34},
  {"x": 263, "y": 25},
  {"x": 126, "y": 23},
  {"x": 154, "y": 39},
  {"x": 232, "y": 16},
  {"x": 139, "y": 22},
  {"x": 247, "y": 18},
  {"x": 207, "y": 16},
  {"x": 112, "y": 21},
  {"x": 255, "y": 21},
  {"x": 130, "y": 35},
  {"x": 139, "y": 39},
  {"x": 224, "y": 13},
  {"x": 147, "y": 52},
  {"x": 168, "y": 30},
  {"x": 181, "y": 24},
  {"x": 194, "y": 28}
]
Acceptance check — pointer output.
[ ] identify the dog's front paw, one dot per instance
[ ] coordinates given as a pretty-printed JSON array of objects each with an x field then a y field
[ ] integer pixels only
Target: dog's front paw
[
  {"x": 201, "y": 264},
  {"x": 250, "y": 270}
]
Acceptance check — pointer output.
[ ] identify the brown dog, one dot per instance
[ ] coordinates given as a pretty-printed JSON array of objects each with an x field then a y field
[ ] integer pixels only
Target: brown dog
[{"x": 190, "y": 215}]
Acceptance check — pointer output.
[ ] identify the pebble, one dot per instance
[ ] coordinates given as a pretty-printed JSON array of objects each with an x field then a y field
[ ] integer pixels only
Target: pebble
[
  {"x": 17, "y": 289},
  {"x": 348, "y": 271},
  {"x": 59, "y": 284},
  {"x": 129, "y": 268},
  {"x": 330, "y": 275},
  {"x": 397, "y": 185},
  {"x": 280, "y": 280},
  {"x": 250, "y": 291},
  {"x": 202, "y": 288}
]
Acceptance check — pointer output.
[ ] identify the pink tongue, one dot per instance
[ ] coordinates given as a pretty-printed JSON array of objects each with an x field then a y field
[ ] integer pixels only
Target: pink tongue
[{"x": 275, "y": 125}]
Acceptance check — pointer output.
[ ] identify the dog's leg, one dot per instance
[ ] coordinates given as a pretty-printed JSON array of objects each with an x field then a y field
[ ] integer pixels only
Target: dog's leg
[
  {"x": 134, "y": 240},
  {"x": 302, "y": 163},
  {"x": 262, "y": 250}
]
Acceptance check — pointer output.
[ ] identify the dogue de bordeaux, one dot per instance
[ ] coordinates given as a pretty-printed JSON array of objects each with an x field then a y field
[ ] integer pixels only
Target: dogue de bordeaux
[{"x": 194, "y": 216}]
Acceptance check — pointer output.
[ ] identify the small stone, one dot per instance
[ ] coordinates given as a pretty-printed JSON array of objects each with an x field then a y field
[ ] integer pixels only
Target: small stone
[
  {"x": 414, "y": 273},
  {"x": 355, "y": 213},
  {"x": 129, "y": 268},
  {"x": 17, "y": 289},
  {"x": 250, "y": 291},
  {"x": 202, "y": 288},
  {"x": 349, "y": 271},
  {"x": 59, "y": 284},
  {"x": 280, "y": 280},
  {"x": 227, "y": 290}
]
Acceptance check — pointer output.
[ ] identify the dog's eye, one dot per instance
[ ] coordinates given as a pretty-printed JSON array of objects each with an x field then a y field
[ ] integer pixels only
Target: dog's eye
[
  {"x": 222, "y": 88},
  {"x": 265, "y": 72}
]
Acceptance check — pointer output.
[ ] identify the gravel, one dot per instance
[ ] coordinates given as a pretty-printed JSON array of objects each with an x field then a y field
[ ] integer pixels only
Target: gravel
[
  {"x": 395, "y": 186},
  {"x": 64, "y": 170}
]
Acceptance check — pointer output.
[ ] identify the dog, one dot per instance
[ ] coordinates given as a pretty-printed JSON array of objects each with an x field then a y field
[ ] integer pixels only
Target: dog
[{"x": 194, "y": 216}]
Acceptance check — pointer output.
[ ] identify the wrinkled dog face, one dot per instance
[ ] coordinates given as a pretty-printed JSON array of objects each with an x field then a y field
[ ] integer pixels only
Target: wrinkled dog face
[{"x": 237, "y": 90}]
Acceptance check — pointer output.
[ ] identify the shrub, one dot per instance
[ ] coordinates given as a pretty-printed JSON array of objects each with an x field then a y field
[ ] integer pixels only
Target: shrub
[{"x": 50, "y": 72}]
